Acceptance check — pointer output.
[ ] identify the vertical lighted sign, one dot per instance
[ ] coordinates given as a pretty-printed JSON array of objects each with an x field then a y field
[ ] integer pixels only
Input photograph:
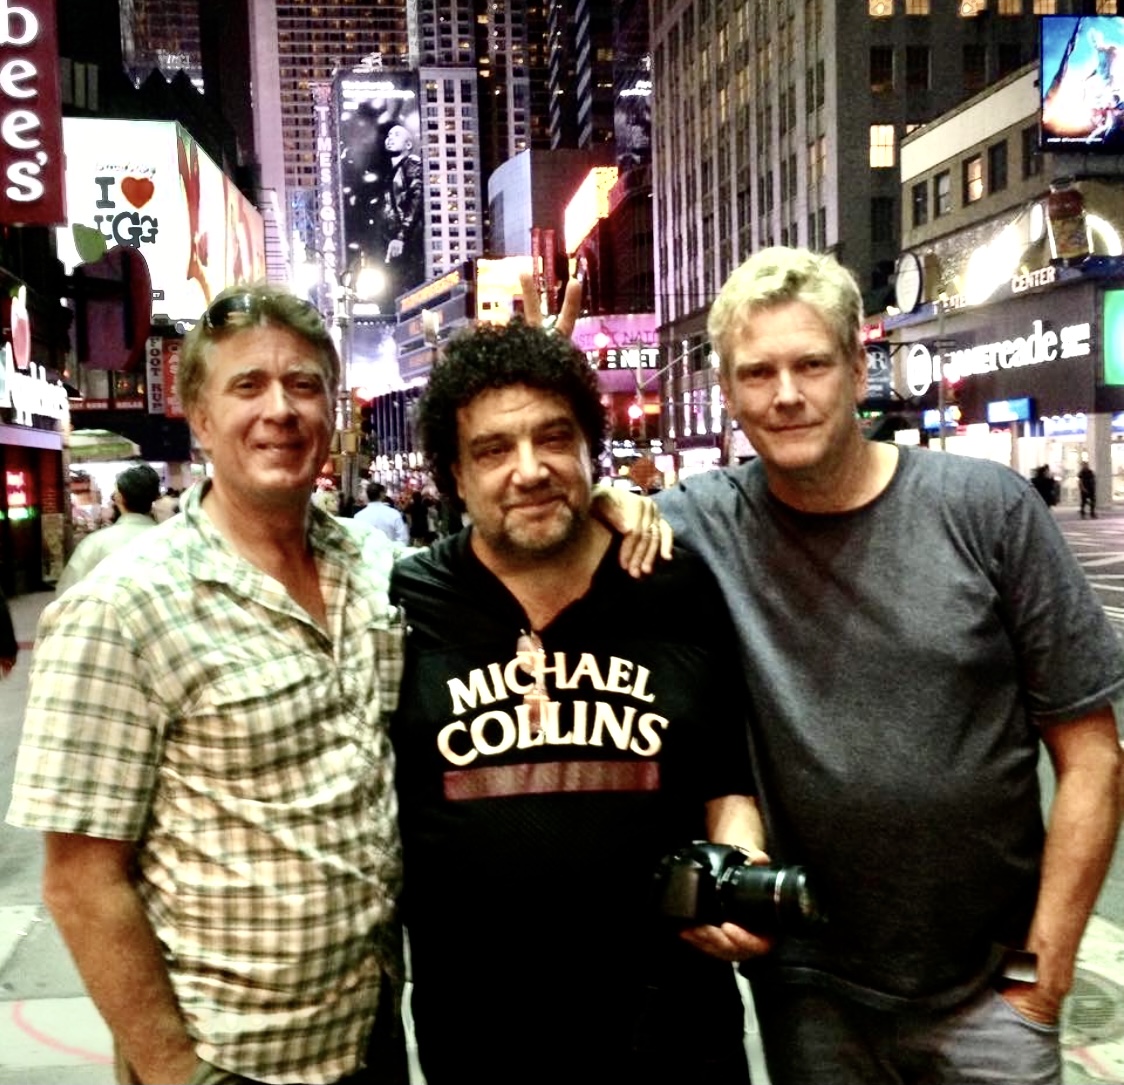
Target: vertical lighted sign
[
  {"x": 31, "y": 163},
  {"x": 1113, "y": 337}
]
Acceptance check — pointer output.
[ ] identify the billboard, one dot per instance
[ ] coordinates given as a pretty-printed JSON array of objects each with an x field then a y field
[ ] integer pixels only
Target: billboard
[
  {"x": 148, "y": 185},
  {"x": 1081, "y": 80},
  {"x": 382, "y": 183},
  {"x": 31, "y": 161}
]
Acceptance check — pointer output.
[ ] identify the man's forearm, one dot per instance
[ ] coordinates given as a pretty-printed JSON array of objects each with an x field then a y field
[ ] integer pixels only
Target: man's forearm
[
  {"x": 1083, "y": 826},
  {"x": 736, "y": 819},
  {"x": 121, "y": 964}
]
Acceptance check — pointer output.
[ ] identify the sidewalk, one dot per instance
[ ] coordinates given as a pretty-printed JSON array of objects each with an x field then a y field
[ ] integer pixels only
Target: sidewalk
[{"x": 50, "y": 1033}]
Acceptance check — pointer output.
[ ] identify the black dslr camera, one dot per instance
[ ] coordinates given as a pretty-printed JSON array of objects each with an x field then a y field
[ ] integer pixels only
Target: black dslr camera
[{"x": 713, "y": 883}]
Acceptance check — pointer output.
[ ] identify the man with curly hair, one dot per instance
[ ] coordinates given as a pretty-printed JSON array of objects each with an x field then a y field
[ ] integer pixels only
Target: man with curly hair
[{"x": 562, "y": 727}]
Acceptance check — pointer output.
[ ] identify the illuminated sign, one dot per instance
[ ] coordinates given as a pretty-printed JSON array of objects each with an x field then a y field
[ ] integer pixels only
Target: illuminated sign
[
  {"x": 31, "y": 159},
  {"x": 381, "y": 193},
  {"x": 30, "y": 393},
  {"x": 1113, "y": 345},
  {"x": 498, "y": 287},
  {"x": 1044, "y": 276},
  {"x": 425, "y": 294},
  {"x": 931, "y": 419},
  {"x": 1079, "y": 81},
  {"x": 924, "y": 368},
  {"x": 328, "y": 218},
  {"x": 589, "y": 204},
  {"x": 1065, "y": 425},
  {"x": 1000, "y": 412},
  {"x": 19, "y": 504},
  {"x": 148, "y": 185},
  {"x": 616, "y": 330}
]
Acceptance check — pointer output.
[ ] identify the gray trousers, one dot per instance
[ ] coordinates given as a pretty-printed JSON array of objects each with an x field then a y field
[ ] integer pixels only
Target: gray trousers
[{"x": 813, "y": 1036}]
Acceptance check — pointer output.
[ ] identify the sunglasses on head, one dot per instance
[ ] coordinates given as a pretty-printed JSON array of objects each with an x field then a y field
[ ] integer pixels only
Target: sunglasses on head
[{"x": 220, "y": 312}]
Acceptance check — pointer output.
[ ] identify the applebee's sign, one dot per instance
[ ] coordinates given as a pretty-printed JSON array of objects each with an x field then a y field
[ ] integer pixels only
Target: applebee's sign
[
  {"x": 31, "y": 163},
  {"x": 924, "y": 368}
]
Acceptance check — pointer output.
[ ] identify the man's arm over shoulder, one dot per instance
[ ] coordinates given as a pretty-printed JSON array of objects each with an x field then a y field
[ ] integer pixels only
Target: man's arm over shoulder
[
  {"x": 88, "y": 889},
  {"x": 1083, "y": 825}
]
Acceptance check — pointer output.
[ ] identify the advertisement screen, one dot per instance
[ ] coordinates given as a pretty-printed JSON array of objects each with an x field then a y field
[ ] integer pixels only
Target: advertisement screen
[
  {"x": 1081, "y": 77},
  {"x": 382, "y": 184},
  {"x": 148, "y": 185}
]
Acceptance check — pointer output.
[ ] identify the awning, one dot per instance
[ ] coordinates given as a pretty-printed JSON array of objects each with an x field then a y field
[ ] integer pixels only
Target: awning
[{"x": 100, "y": 446}]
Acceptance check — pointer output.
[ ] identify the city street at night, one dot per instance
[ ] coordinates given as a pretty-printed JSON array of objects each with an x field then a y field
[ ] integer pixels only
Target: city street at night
[{"x": 50, "y": 1033}]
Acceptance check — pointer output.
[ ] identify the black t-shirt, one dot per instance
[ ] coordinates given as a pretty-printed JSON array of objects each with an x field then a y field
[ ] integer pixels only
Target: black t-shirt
[{"x": 530, "y": 857}]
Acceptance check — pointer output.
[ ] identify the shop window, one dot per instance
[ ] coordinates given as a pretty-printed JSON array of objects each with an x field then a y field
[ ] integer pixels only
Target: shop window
[{"x": 973, "y": 179}]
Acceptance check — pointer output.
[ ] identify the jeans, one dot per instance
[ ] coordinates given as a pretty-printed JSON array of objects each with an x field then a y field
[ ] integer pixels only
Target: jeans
[{"x": 813, "y": 1036}]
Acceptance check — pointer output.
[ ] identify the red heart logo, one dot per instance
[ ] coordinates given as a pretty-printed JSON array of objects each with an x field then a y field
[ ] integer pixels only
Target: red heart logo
[{"x": 137, "y": 190}]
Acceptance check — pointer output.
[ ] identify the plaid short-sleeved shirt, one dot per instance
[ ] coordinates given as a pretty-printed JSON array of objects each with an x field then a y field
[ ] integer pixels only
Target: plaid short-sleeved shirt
[{"x": 181, "y": 699}]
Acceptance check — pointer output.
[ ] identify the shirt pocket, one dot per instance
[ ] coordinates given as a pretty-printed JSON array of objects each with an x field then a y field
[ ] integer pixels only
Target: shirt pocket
[{"x": 264, "y": 724}]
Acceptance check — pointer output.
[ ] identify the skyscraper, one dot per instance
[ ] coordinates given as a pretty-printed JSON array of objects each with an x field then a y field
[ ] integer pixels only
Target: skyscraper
[
  {"x": 162, "y": 35},
  {"x": 780, "y": 123},
  {"x": 295, "y": 45}
]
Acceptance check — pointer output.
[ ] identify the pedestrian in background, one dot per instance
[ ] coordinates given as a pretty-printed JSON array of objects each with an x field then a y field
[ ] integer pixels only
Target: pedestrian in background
[
  {"x": 137, "y": 488},
  {"x": 1087, "y": 484},
  {"x": 9, "y": 648},
  {"x": 205, "y": 746},
  {"x": 1045, "y": 484},
  {"x": 913, "y": 627},
  {"x": 377, "y": 514}
]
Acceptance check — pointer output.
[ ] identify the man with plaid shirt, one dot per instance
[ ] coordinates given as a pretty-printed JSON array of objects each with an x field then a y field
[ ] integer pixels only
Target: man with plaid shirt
[{"x": 205, "y": 748}]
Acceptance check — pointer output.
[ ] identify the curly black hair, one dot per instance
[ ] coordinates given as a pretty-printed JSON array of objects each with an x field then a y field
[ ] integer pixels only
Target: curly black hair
[{"x": 496, "y": 356}]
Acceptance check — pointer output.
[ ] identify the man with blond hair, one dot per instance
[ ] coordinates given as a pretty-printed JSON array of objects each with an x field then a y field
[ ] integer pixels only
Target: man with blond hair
[{"x": 205, "y": 746}]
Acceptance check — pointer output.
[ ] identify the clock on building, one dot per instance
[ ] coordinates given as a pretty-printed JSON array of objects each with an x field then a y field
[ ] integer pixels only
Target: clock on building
[{"x": 908, "y": 282}]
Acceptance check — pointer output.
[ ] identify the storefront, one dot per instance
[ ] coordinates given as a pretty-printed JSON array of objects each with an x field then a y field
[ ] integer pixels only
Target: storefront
[
  {"x": 33, "y": 497},
  {"x": 1009, "y": 374}
]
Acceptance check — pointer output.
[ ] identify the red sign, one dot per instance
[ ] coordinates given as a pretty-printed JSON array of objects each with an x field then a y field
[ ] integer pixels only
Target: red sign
[{"x": 31, "y": 162}]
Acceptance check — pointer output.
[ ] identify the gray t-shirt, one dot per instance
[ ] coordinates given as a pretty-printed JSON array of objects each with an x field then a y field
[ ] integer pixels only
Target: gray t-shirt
[{"x": 901, "y": 658}]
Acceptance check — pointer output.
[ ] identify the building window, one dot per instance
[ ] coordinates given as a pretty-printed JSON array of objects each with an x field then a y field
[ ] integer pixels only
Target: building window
[
  {"x": 1106, "y": 7},
  {"x": 1010, "y": 7},
  {"x": 916, "y": 67},
  {"x": 917, "y": 7},
  {"x": 975, "y": 68},
  {"x": 920, "y": 204},
  {"x": 969, "y": 9},
  {"x": 973, "y": 178},
  {"x": 1009, "y": 57},
  {"x": 942, "y": 194},
  {"x": 1045, "y": 7},
  {"x": 881, "y": 69},
  {"x": 1032, "y": 158},
  {"x": 881, "y": 146},
  {"x": 881, "y": 9},
  {"x": 997, "y": 167},
  {"x": 882, "y": 220}
]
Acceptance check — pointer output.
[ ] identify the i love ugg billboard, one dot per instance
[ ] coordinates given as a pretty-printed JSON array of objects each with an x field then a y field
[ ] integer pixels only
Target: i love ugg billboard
[{"x": 148, "y": 185}]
